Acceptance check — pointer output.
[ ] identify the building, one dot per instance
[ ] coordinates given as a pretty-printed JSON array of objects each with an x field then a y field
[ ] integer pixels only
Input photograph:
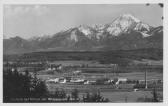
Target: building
[
  {"x": 121, "y": 80},
  {"x": 62, "y": 80},
  {"x": 56, "y": 80},
  {"x": 77, "y": 80},
  {"x": 77, "y": 72},
  {"x": 89, "y": 82}
]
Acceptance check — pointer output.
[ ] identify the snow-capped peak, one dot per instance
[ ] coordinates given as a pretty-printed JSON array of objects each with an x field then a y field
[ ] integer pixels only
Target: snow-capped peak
[
  {"x": 126, "y": 22},
  {"x": 84, "y": 29},
  {"x": 129, "y": 16},
  {"x": 40, "y": 38},
  {"x": 98, "y": 27},
  {"x": 122, "y": 24}
]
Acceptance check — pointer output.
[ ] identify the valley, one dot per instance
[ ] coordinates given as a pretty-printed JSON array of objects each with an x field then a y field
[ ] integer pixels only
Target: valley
[{"x": 95, "y": 71}]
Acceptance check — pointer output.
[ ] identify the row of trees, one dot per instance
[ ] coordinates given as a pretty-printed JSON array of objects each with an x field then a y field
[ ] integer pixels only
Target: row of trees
[{"x": 61, "y": 95}]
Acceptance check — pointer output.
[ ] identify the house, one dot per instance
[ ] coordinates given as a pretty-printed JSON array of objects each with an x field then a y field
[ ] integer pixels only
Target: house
[
  {"x": 89, "y": 82},
  {"x": 13, "y": 69},
  {"x": 59, "y": 67},
  {"x": 110, "y": 81},
  {"x": 121, "y": 80},
  {"x": 62, "y": 80},
  {"x": 77, "y": 72},
  {"x": 49, "y": 69},
  {"x": 77, "y": 80},
  {"x": 56, "y": 80},
  {"x": 136, "y": 90},
  {"x": 53, "y": 68}
]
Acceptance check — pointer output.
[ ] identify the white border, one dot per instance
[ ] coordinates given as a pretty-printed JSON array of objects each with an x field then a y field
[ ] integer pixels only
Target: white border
[
  {"x": 79, "y": 1},
  {"x": 165, "y": 24}
]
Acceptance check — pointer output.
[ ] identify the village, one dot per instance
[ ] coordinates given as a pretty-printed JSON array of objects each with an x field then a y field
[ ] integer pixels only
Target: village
[
  {"x": 73, "y": 73},
  {"x": 88, "y": 76}
]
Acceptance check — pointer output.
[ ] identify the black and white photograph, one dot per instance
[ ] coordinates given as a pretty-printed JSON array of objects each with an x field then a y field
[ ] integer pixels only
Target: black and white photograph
[{"x": 83, "y": 53}]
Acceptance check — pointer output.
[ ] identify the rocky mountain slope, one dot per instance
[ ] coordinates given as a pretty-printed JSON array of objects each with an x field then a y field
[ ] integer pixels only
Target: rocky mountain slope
[{"x": 124, "y": 33}]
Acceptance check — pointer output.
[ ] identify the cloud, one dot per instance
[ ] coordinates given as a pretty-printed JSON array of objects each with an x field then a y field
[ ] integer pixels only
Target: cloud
[{"x": 17, "y": 10}]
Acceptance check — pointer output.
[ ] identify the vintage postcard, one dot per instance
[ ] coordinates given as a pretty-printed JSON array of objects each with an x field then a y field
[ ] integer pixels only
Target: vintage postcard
[{"x": 83, "y": 53}]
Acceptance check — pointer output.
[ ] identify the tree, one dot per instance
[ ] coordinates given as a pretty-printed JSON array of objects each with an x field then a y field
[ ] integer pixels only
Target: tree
[
  {"x": 155, "y": 95},
  {"x": 75, "y": 94},
  {"x": 39, "y": 90},
  {"x": 17, "y": 85},
  {"x": 95, "y": 97},
  {"x": 60, "y": 94}
]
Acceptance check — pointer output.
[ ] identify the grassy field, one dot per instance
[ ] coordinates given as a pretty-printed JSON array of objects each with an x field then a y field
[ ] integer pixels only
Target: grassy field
[
  {"x": 130, "y": 96},
  {"x": 112, "y": 95},
  {"x": 107, "y": 91}
]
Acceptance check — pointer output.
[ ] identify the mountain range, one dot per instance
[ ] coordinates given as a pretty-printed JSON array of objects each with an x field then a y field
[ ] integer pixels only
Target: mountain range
[{"x": 126, "y": 32}]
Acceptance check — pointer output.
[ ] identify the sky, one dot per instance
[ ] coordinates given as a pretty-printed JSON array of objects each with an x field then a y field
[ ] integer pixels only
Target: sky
[{"x": 28, "y": 21}]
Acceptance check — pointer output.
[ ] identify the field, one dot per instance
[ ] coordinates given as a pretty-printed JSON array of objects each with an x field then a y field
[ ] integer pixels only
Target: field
[
  {"x": 127, "y": 96},
  {"x": 107, "y": 91}
]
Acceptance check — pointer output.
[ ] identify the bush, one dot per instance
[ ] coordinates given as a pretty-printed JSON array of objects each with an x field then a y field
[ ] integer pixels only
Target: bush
[
  {"x": 94, "y": 97},
  {"x": 139, "y": 86},
  {"x": 60, "y": 94},
  {"x": 101, "y": 81},
  {"x": 75, "y": 94}
]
